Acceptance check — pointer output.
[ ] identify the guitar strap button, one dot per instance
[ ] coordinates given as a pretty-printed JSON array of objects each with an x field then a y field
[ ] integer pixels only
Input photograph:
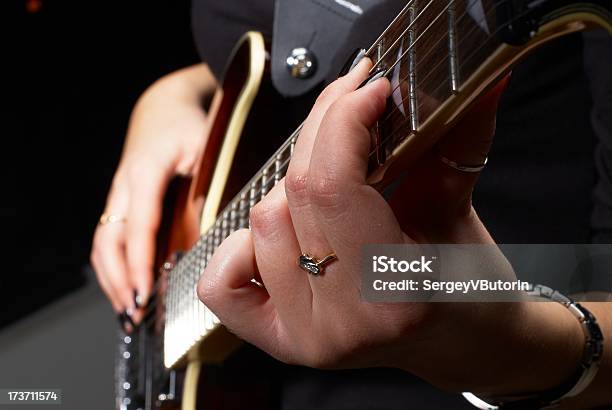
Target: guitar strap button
[{"x": 301, "y": 63}]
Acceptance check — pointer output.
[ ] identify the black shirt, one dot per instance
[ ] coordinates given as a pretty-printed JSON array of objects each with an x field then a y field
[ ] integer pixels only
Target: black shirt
[{"x": 549, "y": 180}]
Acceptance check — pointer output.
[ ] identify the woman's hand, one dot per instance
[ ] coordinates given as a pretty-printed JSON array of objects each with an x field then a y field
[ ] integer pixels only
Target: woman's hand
[
  {"x": 167, "y": 133},
  {"x": 324, "y": 205}
]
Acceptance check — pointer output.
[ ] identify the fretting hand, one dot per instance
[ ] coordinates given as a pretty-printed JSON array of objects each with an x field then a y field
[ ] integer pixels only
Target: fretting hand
[{"x": 324, "y": 205}]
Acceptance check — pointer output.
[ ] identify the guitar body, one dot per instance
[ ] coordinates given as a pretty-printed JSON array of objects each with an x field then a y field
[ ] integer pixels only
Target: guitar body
[{"x": 169, "y": 364}]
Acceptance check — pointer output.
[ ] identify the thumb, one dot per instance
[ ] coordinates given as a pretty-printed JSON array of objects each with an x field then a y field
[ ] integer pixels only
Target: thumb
[{"x": 226, "y": 287}]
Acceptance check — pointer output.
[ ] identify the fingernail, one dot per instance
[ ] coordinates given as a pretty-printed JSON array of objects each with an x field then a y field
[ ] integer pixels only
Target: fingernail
[
  {"x": 141, "y": 299},
  {"x": 126, "y": 322},
  {"x": 352, "y": 62},
  {"x": 138, "y": 300}
]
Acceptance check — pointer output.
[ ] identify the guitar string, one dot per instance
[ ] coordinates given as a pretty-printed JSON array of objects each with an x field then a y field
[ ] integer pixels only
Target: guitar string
[
  {"x": 430, "y": 72},
  {"x": 389, "y": 27},
  {"x": 489, "y": 38},
  {"x": 256, "y": 177},
  {"x": 443, "y": 83},
  {"x": 461, "y": 41},
  {"x": 401, "y": 36},
  {"x": 414, "y": 44}
]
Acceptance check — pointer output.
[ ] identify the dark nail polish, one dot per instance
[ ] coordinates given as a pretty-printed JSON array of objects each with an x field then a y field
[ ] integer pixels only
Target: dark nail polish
[{"x": 125, "y": 321}]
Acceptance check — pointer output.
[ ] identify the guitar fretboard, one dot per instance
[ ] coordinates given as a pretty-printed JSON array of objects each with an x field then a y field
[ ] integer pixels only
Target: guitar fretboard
[{"x": 187, "y": 319}]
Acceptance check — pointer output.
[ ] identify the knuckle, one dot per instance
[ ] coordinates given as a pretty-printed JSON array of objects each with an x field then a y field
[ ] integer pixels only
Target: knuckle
[
  {"x": 328, "y": 92},
  {"x": 263, "y": 218},
  {"x": 323, "y": 191},
  {"x": 296, "y": 186},
  {"x": 339, "y": 111}
]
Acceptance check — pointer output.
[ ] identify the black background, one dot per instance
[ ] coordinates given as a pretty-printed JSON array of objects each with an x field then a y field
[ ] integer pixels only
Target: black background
[{"x": 71, "y": 73}]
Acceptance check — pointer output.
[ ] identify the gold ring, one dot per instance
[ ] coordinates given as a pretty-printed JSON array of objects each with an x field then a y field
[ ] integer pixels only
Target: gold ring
[
  {"x": 313, "y": 265},
  {"x": 110, "y": 219}
]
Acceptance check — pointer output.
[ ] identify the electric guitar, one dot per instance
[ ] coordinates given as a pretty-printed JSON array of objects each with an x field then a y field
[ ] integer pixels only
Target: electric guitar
[{"x": 440, "y": 56}]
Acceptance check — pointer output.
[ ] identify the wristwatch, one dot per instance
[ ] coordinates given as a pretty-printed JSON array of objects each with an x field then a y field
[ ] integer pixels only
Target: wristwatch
[{"x": 589, "y": 364}]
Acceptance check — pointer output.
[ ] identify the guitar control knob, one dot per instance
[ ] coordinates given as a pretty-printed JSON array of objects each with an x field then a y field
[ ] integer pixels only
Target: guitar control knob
[{"x": 301, "y": 63}]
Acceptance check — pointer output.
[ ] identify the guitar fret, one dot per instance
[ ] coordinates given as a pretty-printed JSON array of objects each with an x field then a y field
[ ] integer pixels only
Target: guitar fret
[
  {"x": 380, "y": 48},
  {"x": 452, "y": 48},
  {"x": 292, "y": 146},
  {"x": 412, "y": 79},
  {"x": 210, "y": 247},
  {"x": 199, "y": 307},
  {"x": 193, "y": 299},
  {"x": 217, "y": 235},
  {"x": 225, "y": 229},
  {"x": 264, "y": 182},
  {"x": 278, "y": 163},
  {"x": 254, "y": 193},
  {"x": 243, "y": 211},
  {"x": 203, "y": 250},
  {"x": 234, "y": 217}
]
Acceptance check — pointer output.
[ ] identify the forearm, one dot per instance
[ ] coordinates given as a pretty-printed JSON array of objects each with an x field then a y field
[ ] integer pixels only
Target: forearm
[
  {"x": 170, "y": 117},
  {"x": 191, "y": 84}
]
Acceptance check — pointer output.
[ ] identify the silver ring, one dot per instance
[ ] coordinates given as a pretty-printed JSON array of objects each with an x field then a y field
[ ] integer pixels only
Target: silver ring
[
  {"x": 464, "y": 168},
  {"x": 313, "y": 265}
]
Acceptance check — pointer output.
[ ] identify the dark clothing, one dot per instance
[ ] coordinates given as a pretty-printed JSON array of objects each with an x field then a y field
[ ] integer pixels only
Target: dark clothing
[
  {"x": 218, "y": 25},
  {"x": 542, "y": 184}
]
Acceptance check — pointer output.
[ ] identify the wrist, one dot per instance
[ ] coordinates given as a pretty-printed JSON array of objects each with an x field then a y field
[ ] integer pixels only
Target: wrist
[
  {"x": 580, "y": 381},
  {"x": 503, "y": 349},
  {"x": 548, "y": 349}
]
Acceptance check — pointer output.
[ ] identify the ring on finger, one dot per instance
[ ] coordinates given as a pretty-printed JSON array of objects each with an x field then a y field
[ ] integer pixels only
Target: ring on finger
[{"x": 313, "y": 265}]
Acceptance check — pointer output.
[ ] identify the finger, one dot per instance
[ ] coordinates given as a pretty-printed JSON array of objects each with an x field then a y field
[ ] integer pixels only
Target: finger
[
  {"x": 112, "y": 258},
  {"x": 103, "y": 281},
  {"x": 339, "y": 159},
  {"x": 310, "y": 237},
  {"x": 276, "y": 252},
  {"x": 227, "y": 289},
  {"x": 348, "y": 210},
  {"x": 147, "y": 185},
  {"x": 447, "y": 189}
]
